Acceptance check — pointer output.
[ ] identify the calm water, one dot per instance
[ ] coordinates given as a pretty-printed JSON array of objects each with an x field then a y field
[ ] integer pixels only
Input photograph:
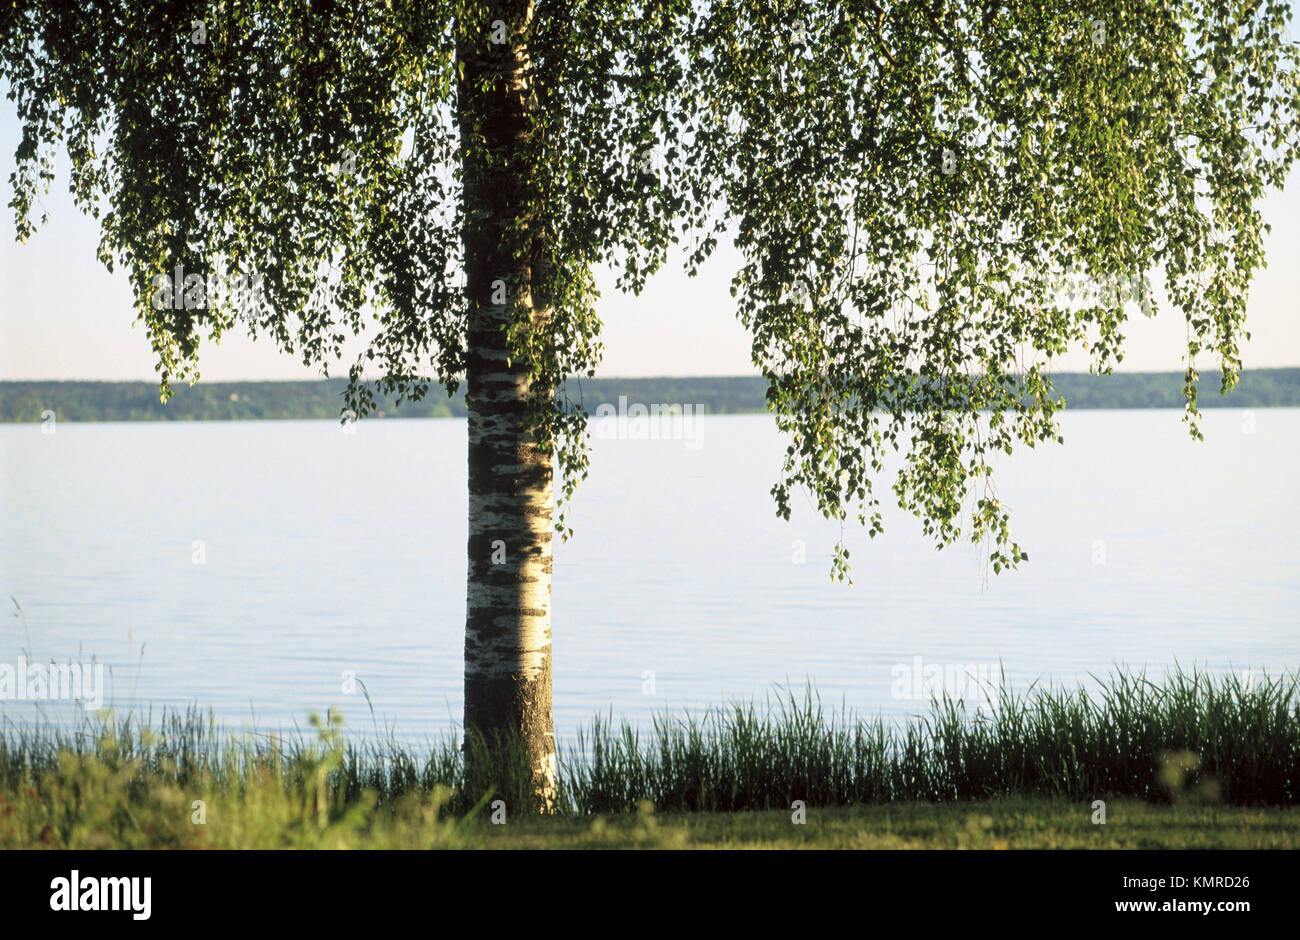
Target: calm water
[{"x": 325, "y": 553}]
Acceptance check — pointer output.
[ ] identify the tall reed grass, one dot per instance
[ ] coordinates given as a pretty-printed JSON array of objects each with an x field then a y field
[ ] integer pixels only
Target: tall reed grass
[{"x": 1188, "y": 736}]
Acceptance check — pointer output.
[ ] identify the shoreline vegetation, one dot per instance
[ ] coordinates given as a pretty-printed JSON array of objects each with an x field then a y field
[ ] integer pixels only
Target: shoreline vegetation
[
  {"x": 29, "y": 401},
  {"x": 1191, "y": 760}
]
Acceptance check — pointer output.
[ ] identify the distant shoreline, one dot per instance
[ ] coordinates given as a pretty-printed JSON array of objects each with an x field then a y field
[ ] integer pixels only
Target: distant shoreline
[{"x": 321, "y": 399}]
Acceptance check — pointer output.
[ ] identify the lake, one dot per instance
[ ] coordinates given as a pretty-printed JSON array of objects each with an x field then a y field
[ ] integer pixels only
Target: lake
[{"x": 254, "y": 567}]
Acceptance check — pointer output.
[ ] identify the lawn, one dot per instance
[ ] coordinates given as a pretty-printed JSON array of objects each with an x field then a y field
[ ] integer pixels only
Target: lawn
[{"x": 1011, "y": 823}]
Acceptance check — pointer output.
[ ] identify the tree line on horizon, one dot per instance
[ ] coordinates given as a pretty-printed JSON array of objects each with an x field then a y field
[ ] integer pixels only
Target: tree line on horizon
[{"x": 323, "y": 399}]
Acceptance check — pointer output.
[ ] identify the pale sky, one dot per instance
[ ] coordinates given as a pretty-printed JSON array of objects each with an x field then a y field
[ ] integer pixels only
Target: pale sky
[{"x": 63, "y": 316}]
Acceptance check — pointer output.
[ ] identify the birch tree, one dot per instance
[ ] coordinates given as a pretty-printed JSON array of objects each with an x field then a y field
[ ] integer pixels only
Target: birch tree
[{"x": 908, "y": 184}]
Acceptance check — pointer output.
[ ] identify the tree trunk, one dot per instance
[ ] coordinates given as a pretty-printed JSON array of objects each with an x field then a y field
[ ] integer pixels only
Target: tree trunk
[{"x": 508, "y": 596}]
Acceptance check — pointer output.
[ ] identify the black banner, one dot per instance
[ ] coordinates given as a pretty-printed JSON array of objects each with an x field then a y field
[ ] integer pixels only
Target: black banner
[{"x": 174, "y": 890}]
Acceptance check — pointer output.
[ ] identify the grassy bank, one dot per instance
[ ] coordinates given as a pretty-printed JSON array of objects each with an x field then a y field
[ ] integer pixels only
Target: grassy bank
[
  {"x": 272, "y": 820},
  {"x": 1192, "y": 760}
]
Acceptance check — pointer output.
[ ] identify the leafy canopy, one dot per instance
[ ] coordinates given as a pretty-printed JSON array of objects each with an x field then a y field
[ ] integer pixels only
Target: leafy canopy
[{"x": 906, "y": 182}]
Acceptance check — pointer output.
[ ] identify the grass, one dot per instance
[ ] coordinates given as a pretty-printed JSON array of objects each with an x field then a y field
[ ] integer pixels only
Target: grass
[
  {"x": 1004, "y": 823},
  {"x": 1193, "y": 760}
]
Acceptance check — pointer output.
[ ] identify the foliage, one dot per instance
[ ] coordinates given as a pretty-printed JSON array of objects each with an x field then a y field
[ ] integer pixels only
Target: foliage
[
  {"x": 911, "y": 181},
  {"x": 904, "y": 181}
]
